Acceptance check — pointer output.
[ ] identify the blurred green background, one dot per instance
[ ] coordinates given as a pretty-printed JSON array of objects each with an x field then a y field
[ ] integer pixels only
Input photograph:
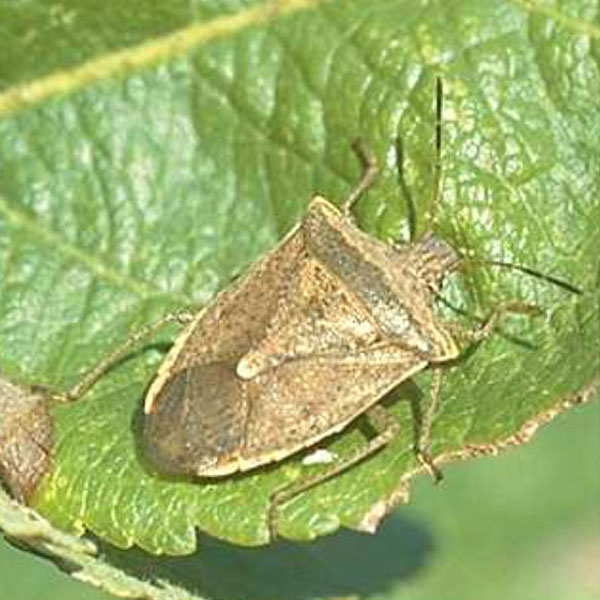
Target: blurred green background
[{"x": 524, "y": 525}]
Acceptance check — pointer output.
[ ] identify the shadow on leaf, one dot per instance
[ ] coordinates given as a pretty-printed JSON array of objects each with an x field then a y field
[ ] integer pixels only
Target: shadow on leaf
[{"x": 347, "y": 563}]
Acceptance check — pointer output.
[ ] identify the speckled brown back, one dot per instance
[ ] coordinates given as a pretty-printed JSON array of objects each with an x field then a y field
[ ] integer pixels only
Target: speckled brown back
[{"x": 311, "y": 337}]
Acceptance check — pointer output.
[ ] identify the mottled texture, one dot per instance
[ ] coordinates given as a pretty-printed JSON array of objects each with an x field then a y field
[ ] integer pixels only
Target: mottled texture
[
  {"x": 311, "y": 337},
  {"x": 394, "y": 285},
  {"x": 25, "y": 439}
]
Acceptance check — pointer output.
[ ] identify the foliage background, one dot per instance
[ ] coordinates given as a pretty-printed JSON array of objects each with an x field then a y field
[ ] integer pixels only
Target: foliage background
[{"x": 147, "y": 180}]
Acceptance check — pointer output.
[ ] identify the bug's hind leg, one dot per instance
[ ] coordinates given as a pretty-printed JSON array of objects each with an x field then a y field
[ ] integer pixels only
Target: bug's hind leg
[
  {"x": 387, "y": 428},
  {"x": 111, "y": 359}
]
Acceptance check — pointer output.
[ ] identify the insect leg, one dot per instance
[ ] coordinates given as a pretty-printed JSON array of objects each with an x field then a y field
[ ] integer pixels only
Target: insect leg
[
  {"x": 500, "y": 310},
  {"x": 423, "y": 420},
  {"x": 94, "y": 374},
  {"x": 387, "y": 428},
  {"x": 369, "y": 165}
]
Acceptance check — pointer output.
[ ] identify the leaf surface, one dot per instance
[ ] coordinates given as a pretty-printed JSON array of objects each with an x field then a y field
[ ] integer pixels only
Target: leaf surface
[{"x": 142, "y": 175}]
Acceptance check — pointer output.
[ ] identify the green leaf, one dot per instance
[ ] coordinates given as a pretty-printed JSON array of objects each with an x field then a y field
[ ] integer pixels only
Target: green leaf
[
  {"x": 78, "y": 556},
  {"x": 142, "y": 175}
]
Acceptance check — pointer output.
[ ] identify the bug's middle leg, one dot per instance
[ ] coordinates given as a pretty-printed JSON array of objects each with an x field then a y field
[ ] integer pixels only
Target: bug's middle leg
[
  {"x": 424, "y": 415},
  {"x": 423, "y": 419}
]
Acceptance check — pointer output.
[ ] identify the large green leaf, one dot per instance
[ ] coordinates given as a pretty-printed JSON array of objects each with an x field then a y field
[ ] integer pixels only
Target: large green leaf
[{"x": 143, "y": 173}]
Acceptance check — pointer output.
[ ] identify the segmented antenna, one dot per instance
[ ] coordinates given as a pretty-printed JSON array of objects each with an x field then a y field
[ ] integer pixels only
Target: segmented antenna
[
  {"x": 435, "y": 200},
  {"x": 557, "y": 281},
  {"x": 437, "y": 141}
]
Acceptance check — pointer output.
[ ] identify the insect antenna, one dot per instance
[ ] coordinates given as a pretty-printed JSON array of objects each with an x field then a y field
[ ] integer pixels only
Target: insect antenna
[
  {"x": 557, "y": 281},
  {"x": 437, "y": 163},
  {"x": 436, "y": 170},
  {"x": 435, "y": 200}
]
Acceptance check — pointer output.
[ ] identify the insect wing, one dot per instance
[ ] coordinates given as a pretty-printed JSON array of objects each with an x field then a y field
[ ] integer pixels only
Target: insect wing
[{"x": 301, "y": 402}]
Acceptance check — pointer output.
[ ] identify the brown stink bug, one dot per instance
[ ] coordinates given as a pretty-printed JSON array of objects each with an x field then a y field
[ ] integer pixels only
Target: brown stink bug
[
  {"x": 311, "y": 337},
  {"x": 25, "y": 438}
]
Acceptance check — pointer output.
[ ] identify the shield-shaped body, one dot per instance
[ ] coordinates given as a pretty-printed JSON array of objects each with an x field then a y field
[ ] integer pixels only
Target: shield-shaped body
[{"x": 313, "y": 335}]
